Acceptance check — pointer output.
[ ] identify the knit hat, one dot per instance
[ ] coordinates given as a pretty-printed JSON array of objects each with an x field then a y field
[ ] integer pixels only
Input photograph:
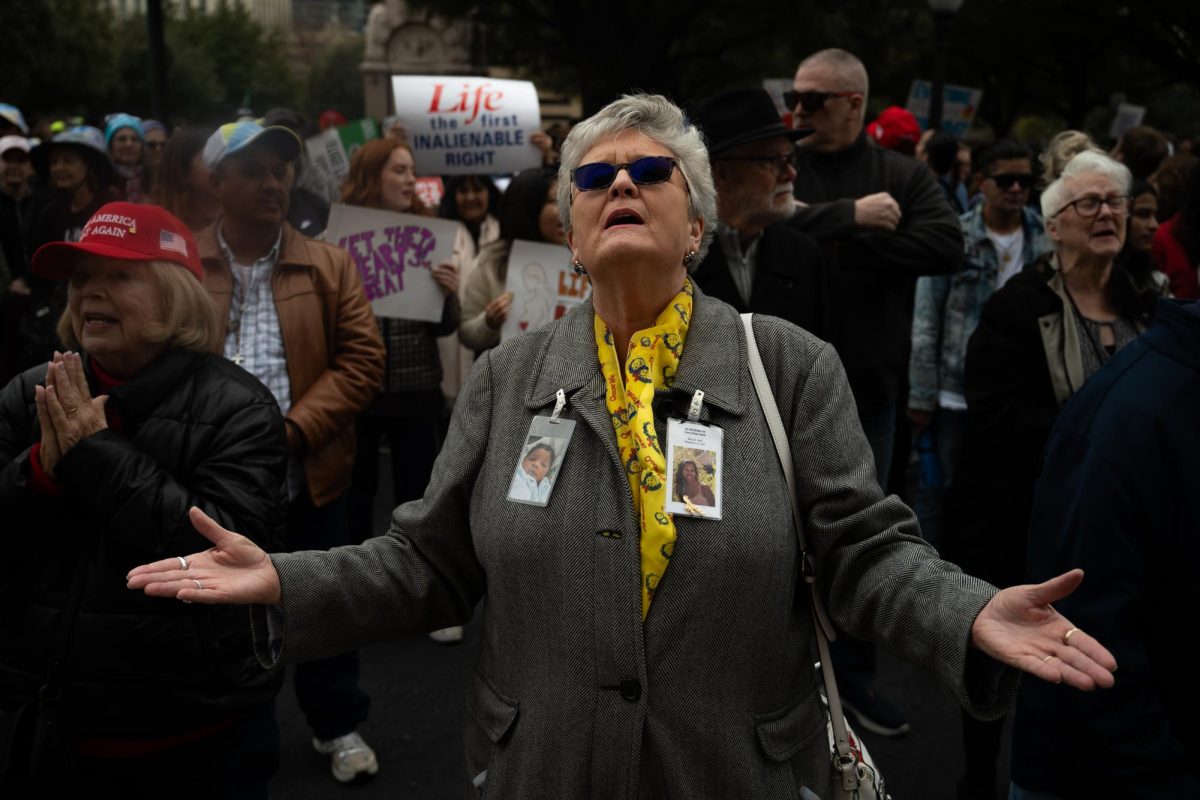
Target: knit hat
[
  {"x": 124, "y": 231},
  {"x": 152, "y": 125},
  {"x": 115, "y": 122}
]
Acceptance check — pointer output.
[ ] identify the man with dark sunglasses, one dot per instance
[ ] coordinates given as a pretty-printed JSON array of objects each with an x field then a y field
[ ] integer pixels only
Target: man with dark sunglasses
[
  {"x": 1002, "y": 235},
  {"x": 755, "y": 263},
  {"x": 883, "y": 221}
]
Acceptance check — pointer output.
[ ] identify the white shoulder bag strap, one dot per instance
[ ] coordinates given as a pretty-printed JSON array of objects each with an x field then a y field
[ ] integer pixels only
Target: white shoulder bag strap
[{"x": 824, "y": 629}]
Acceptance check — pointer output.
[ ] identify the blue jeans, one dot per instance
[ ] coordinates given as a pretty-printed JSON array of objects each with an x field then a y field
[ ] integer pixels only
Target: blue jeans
[
  {"x": 327, "y": 690},
  {"x": 948, "y": 429}
]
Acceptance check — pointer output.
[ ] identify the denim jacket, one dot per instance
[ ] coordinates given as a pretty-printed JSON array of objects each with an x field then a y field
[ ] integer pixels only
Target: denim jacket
[{"x": 947, "y": 308}]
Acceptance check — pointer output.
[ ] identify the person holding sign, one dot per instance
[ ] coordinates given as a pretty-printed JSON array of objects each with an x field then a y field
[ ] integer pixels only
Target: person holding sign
[
  {"x": 410, "y": 402},
  {"x": 529, "y": 211},
  {"x": 615, "y": 640}
]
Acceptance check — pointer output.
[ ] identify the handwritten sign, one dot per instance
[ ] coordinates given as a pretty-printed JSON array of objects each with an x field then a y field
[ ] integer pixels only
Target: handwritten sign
[
  {"x": 468, "y": 126},
  {"x": 332, "y": 149},
  {"x": 395, "y": 255},
  {"x": 543, "y": 285},
  {"x": 959, "y": 106}
]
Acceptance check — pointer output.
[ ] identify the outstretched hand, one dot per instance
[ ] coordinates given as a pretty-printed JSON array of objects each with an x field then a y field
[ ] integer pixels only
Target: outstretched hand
[
  {"x": 233, "y": 571},
  {"x": 1020, "y": 627}
]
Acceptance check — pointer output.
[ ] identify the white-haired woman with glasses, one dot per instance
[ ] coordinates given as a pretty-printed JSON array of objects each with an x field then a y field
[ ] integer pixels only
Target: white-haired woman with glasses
[
  {"x": 1039, "y": 338},
  {"x": 603, "y": 672}
]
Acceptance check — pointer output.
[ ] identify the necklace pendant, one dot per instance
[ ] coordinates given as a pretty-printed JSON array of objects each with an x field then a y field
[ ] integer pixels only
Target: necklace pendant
[
  {"x": 234, "y": 325},
  {"x": 238, "y": 359}
]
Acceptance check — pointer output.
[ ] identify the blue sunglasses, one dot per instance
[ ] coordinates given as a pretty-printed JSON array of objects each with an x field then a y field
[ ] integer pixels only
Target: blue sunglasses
[{"x": 600, "y": 175}]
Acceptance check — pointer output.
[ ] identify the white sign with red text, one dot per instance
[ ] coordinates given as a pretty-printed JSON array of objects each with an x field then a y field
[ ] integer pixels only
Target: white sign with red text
[
  {"x": 395, "y": 255},
  {"x": 468, "y": 126}
]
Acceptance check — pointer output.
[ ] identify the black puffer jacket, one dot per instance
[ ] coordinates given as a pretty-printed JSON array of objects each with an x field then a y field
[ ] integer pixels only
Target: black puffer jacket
[{"x": 194, "y": 430}]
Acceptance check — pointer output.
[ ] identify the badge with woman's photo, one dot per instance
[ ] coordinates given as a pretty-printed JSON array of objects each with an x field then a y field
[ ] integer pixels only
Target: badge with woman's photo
[
  {"x": 540, "y": 460},
  {"x": 694, "y": 469}
]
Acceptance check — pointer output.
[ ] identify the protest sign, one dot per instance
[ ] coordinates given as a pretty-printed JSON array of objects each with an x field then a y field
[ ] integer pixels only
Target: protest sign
[
  {"x": 543, "y": 286},
  {"x": 1128, "y": 116},
  {"x": 468, "y": 126},
  {"x": 332, "y": 149},
  {"x": 395, "y": 255},
  {"x": 959, "y": 106}
]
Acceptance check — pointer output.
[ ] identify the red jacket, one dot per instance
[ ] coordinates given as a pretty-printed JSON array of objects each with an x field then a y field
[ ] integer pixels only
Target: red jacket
[{"x": 1172, "y": 259}]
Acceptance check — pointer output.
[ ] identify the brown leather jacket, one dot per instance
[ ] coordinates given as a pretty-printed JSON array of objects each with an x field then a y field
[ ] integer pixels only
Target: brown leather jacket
[{"x": 334, "y": 354}]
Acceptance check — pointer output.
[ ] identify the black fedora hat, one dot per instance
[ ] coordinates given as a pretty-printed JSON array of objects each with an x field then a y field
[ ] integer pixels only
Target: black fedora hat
[{"x": 740, "y": 116}]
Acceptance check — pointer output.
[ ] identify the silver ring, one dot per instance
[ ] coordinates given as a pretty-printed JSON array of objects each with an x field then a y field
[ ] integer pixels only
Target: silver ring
[
  {"x": 199, "y": 585},
  {"x": 183, "y": 564}
]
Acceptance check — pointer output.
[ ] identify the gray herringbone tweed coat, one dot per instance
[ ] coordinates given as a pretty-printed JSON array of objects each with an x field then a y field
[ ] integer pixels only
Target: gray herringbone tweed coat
[{"x": 715, "y": 695}]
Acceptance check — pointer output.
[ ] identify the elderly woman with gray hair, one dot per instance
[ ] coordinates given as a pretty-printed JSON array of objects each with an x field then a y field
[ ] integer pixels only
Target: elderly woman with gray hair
[{"x": 634, "y": 647}]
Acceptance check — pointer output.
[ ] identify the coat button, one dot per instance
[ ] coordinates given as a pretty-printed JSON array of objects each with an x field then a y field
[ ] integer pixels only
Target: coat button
[{"x": 631, "y": 690}]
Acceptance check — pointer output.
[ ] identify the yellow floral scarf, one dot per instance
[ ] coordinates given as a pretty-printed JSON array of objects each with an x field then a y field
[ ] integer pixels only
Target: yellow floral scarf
[{"x": 651, "y": 363}]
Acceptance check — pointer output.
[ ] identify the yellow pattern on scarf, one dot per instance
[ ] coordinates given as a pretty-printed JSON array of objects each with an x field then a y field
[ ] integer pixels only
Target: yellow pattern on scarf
[{"x": 651, "y": 363}]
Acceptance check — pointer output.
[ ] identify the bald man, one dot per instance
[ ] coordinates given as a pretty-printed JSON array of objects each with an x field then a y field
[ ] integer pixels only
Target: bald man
[{"x": 883, "y": 221}]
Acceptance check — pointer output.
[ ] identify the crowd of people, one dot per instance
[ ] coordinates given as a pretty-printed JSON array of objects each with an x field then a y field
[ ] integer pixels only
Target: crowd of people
[{"x": 196, "y": 394}]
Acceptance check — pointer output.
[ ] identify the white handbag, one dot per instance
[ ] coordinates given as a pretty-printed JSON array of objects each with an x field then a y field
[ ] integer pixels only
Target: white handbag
[{"x": 855, "y": 776}]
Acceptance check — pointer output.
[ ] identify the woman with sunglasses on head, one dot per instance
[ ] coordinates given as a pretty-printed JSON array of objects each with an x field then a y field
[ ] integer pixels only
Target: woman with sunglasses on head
[
  {"x": 615, "y": 634},
  {"x": 528, "y": 211}
]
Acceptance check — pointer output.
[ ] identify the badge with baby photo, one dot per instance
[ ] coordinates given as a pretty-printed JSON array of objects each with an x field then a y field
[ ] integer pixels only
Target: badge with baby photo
[
  {"x": 694, "y": 469},
  {"x": 540, "y": 460}
]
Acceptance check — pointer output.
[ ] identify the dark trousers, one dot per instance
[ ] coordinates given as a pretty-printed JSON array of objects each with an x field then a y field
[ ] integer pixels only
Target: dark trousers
[
  {"x": 235, "y": 763},
  {"x": 414, "y": 442},
  {"x": 326, "y": 690}
]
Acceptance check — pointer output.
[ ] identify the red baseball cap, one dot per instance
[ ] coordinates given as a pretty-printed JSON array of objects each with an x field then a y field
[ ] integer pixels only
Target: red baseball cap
[
  {"x": 894, "y": 126},
  {"x": 124, "y": 231}
]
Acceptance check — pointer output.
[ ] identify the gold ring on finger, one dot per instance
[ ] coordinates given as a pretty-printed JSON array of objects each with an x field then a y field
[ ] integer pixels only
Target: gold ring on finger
[
  {"x": 1067, "y": 636},
  {"x": 1044, "y": 660}
]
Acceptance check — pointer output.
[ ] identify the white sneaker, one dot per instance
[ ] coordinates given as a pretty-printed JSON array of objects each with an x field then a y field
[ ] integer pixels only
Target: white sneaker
[
  {"x": 448, "y": 635},
  {"x": 353, "y": 760}
]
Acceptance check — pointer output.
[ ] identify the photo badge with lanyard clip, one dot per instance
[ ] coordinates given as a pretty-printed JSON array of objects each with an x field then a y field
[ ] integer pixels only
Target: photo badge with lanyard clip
[
  {"x": 541, "y": 456},
  {"x": 694, "y": 475}
]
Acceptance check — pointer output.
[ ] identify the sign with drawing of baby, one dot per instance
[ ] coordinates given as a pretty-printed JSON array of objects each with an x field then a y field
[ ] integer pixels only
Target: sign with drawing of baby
[
  {"x": 543, "y": 286},
  {"x": 395, "y": 255}
]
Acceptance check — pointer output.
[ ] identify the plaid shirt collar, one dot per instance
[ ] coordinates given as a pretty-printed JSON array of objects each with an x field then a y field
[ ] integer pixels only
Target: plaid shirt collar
[{"x": 269, "y": 260}]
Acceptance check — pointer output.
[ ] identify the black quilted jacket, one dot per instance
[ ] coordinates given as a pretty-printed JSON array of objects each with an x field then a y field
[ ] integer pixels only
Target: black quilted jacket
[{"x": 194, "y": 430}]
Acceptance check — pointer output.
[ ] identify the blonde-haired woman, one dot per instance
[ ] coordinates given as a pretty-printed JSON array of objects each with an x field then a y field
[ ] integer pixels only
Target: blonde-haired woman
[{"x": 102, "y": 453}]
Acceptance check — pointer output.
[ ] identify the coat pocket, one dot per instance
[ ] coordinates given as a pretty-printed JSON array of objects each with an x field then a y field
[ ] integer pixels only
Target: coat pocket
[
  {"x": 494, "y": 714},
  {"x": 784, "y": 733}
]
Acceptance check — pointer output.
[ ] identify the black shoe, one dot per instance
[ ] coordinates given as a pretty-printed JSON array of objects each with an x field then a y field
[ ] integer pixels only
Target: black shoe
[{"x": 873, "y": 713}]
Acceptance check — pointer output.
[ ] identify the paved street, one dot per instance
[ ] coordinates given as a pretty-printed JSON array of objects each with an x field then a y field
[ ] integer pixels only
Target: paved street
[{"x": 417, "y": 690}]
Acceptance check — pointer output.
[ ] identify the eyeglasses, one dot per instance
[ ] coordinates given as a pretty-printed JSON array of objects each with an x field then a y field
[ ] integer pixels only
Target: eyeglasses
[
  {"x": 778, "y": 163},
  {"x": 1090, "y": 206},
  {"x": 1005, "y": 180},
  {"x": 600, "y": 175},
  {"x": 812, "y": 102}
]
